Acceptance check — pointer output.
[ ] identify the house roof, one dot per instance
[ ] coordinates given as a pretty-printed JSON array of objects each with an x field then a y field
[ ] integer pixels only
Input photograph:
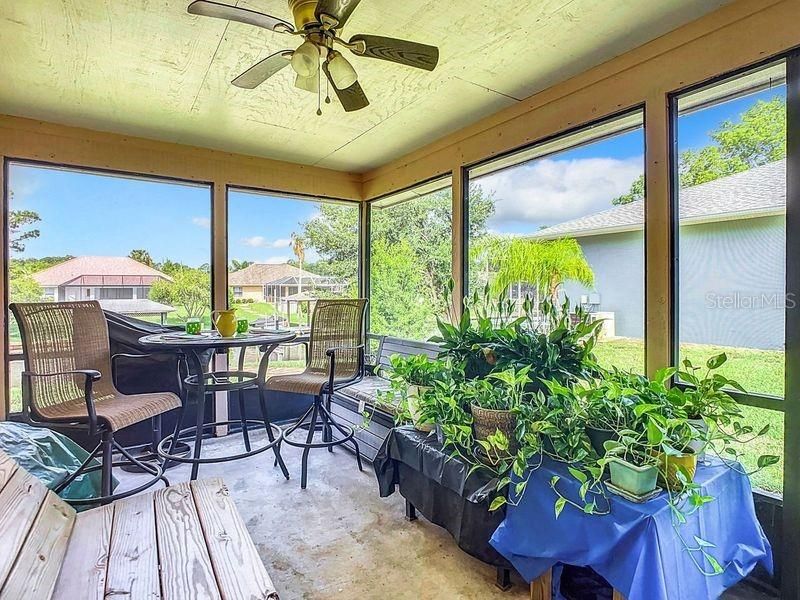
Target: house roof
[
  {"x": 136, "y": 306},
  {"x": 99, "y": 270},
  {"x": 270, "y": 274},
  {"x": 758, "y": 192}
]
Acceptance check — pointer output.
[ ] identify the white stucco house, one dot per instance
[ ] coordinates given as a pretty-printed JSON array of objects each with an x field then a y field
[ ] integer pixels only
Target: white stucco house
[
  {"x": 731, "y": 260},
  {"x": 119, "y": 283}
]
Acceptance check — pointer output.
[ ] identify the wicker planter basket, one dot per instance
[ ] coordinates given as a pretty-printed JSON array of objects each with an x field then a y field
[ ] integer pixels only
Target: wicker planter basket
[{"x": 486, "y": 422}]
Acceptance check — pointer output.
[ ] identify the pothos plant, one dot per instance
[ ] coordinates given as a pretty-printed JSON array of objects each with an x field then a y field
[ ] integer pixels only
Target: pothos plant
[
  {"x": 661, "y": 423},
  {"x": 496, "y": 334},
  {"x": 706, "y": 399}
]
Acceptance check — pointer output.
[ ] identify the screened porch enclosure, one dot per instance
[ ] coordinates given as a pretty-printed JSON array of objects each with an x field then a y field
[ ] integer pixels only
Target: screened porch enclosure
[{"x": 468, "y": 338}]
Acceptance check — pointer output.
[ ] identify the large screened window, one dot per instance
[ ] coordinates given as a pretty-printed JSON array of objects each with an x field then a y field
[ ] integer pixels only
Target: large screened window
[
  {"x": 564, "y": 220},
  {"x": 140, "y": 246},
  {"x": 731, "y": 202},
  {"x": 284, "y": 253},
  {"x": 410, "y": 250}
]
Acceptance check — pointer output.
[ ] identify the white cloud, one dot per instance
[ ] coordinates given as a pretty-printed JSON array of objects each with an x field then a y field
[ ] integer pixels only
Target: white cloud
[
  {"x": 276, "y": 260},
  {"x": 547, "y": 191},
  {"x": 203, "y": 222},
  {"x": 258, "y": 241}
]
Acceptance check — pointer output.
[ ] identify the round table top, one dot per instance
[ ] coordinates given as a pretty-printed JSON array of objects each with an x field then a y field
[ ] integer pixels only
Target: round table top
[{"x": 212, "y": 339}]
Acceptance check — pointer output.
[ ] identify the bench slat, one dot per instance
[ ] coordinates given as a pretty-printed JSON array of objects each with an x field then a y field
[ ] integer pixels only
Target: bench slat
[
  {"x": 133, "y": 554},
  {"x": 238, "y": 568},
  {"x": 7, "y": 467},
  {"x": 186, "y": 570},
  {"x": 35, "y": 573},
  {"x": 20, "y": 500},
  {"x": 83, "y": 574}
]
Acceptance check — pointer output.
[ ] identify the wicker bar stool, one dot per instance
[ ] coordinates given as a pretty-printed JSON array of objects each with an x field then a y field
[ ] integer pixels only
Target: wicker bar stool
[
  {"x": 335, "y": 360},
  {"x": 68, "y": 384}
]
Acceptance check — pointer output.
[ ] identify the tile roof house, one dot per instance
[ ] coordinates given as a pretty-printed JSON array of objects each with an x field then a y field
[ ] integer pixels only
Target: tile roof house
[
  {"x": 731, "y": 246},
  {"x": 265, "y": 282},
  {"x": 119, "y": 283}
]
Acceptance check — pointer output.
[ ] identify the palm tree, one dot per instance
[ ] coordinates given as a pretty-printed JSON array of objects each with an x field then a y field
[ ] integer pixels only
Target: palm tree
[
  {"x": 546, "y": 264},
  {"x": 238, "y": 265},
  {"x": 299, "y": 249}
]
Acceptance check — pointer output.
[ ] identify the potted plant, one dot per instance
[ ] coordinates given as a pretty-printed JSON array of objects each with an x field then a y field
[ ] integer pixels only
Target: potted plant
[
  {"x": 411, "y": 380},
  {"x": 493, "y": 401}
]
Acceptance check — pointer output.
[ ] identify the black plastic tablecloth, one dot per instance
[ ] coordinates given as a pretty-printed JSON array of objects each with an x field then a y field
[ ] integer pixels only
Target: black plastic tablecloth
[{"x": 441, "y": 489}]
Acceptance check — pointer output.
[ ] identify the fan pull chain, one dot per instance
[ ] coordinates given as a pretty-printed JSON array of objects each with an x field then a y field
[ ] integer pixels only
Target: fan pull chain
[
  {"x": 319, "y": 96},
  {"x": 327, "y": 92}
]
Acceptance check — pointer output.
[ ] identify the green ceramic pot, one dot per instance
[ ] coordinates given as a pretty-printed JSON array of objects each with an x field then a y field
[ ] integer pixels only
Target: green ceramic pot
[{"x": 632, "y": 478}]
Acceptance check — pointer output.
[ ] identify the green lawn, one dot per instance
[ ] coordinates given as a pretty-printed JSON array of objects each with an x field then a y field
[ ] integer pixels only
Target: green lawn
[{"x": 759, "y": 371}]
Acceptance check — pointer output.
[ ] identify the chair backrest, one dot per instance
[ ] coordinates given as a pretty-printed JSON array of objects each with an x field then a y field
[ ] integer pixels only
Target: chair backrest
[
  {"x": 335, "y": 324},
  {"x": 58, "y": 337}
]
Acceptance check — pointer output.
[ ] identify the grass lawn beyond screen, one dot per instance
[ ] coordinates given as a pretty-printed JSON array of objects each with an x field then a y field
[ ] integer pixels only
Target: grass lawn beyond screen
[{"x": 758, "y": 371}]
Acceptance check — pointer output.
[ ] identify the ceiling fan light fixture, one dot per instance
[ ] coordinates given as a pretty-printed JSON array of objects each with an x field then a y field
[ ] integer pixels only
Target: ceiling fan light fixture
[
  {"x": 305, "y": 60},
  {"x": 342, "y": 72}
]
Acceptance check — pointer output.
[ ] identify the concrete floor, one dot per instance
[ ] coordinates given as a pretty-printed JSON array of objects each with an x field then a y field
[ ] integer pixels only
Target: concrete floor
[{"x": 339, "y": 540}]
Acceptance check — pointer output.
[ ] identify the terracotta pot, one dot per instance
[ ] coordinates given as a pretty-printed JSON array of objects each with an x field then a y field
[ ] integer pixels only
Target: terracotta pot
[
  {"x": 668, "y": 467},
  {"x": 414, "y": 394},
  {"x": 486, "y": 422}
]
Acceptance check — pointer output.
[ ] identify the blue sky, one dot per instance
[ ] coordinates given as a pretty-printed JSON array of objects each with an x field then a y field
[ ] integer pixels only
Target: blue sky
[
  {"x": 583, "y": 181},
  {"x": 86, "y": 214}
]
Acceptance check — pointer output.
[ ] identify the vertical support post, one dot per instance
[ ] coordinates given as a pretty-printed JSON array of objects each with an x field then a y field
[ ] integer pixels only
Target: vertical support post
[
  {"x": 4, "y": 366},
  {"x": 364, "y": 232},
  {"x": 542, "y": 588},
  {"x": 460, "y": 227},
  {"x": 790, "y": 585},
  {"x": 659, "y": 235},
  {"x": 219, "y": 284}
]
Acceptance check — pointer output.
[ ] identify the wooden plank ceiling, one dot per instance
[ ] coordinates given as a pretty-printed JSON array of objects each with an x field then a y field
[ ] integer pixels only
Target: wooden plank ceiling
[{"x": 147, "y": 68}]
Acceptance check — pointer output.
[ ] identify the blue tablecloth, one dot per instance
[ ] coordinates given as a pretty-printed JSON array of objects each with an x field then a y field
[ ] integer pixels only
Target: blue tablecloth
[{"x": 636, "y": 547}]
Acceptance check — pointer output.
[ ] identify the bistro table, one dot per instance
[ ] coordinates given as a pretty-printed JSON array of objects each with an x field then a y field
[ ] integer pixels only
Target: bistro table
[{"x": 202, "y": 381}]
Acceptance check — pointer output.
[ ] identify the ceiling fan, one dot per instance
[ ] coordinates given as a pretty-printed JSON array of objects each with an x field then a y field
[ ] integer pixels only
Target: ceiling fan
[{"x": 318, "y": 22}]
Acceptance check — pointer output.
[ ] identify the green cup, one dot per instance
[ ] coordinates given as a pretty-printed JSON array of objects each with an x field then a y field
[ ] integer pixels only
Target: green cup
[
  {"x": 242, "y": 325},
  {"x": 193, "y": 326}
]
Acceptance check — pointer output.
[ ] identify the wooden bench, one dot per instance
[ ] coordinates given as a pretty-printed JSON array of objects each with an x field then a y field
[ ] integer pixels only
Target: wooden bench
[
  {"x": 183, "y": 542},
  {"x": 348, "y": 403}
]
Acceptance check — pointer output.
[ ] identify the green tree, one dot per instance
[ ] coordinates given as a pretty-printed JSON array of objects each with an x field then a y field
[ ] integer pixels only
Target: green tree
[
  {"x": 18, "y": 223},
  {"x": 238, "y": 265},
  {"x": 758, "y": 137},
  {"x": 189, "y": 289},
  {"x": 22, "y": 286},
  {"x": 546, "y": 264},
  {"x": 142, "y": 256},
  {"x": 170, "y": 267},
  {"x": 635, "y": 193},
  {"x": 333, "y": 233},
  {"x": 299, "y": 249},
  {"x": 396, "y": 307}
]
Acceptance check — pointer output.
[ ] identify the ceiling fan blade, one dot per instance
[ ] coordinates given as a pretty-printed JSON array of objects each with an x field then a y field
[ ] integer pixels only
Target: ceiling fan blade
[
  {"x": 403, "y": 52},
  {"x": 352, "y": 98},
  {"x": 338, "y": 9},
  {"x": 263, "y": 70},
  {"x": 309, "y": 84},
  {"x": 205, "y": 8}
]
